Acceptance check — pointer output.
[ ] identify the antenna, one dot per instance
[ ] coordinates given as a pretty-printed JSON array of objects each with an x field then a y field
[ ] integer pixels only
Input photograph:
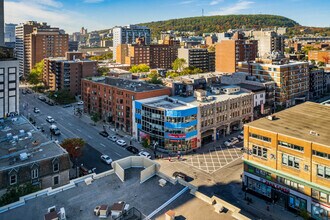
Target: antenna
[{"x": 202, "y": 12}]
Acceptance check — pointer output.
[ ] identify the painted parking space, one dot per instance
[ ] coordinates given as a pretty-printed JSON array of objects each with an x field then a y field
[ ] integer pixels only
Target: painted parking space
[{"x": 215, "y": 159}]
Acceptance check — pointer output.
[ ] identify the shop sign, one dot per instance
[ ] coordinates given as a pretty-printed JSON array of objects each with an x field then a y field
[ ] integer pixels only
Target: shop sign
[
  {"x": 281, "y": 188},
  {"x": 177, "y": 135}
]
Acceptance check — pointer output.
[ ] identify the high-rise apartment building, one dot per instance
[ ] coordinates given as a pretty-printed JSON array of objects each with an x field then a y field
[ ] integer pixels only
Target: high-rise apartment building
[
  {"x": 229, "y": 52},
  {"x": 10, "y": 33},
  {"x": 198, "y": 57},
  {"x": 287, "y": 159},
  {"x": 43, "y": 43},
  {"x": 66, "y": 72},
  {"x": 268, "y": 42},
  {"x": 9, "y": 83},
  {"x": 129, "y": 34},
  {"x": 2, "y": 22},
  {"x": 21, "y": 31},
  {"x": 291, "y": 78},
  {"x": 154, "y": 55}
]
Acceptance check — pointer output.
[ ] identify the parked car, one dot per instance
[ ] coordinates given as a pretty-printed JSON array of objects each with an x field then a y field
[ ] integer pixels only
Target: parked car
[
  {"x": 241, "y": 136},
  {"x": 233, "y": 140},
  {"x": 84, "y": 171},
  {"x": 28, "y": 91},
  {"x": 36, "y": 110},
  {"x": 121, "y": 143},
  {"x": 41, "y": 98},
  {"x": 227, "y": 143},
  {"x": 50, "y": 103},
  {"x": 24, "y": 92},
  {"x": 54, "y": 130},
  {"x": 113, "y": 138},
  {"x": 106, "y": 159},
  {"x": 50, "y": 119},
  {"x": 145, "y": 154},
  {"x": 180, "y": 175},
  {"x": 40, "y": 129},
  {"x": 67, "y": 106},
  {"x": 104, "y": 133},
  {"x": 80, "y": 103},
  {"x": 132, "y": 149},
  {"x": 97, "y": 210}
]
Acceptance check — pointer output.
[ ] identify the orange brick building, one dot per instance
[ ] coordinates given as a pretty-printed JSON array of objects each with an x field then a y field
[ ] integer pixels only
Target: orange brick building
[
  {"x": 287, "y": 159},
  {"x": 319, "y": 56},
  {"x": 112, "y": 98}
]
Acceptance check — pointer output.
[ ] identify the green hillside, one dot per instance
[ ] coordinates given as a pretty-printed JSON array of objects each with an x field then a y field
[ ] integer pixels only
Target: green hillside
[{"x": 219, "y": 23}]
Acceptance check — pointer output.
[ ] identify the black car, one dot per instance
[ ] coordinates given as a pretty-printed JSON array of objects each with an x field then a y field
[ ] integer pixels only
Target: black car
[
  {"x": 50, "y": 103},
  {"x": 180, "y": 175},
  {"x": 132, "y": 149},
  {"x": 28, "y": 91},
  {"x": 104, "y": 133}
]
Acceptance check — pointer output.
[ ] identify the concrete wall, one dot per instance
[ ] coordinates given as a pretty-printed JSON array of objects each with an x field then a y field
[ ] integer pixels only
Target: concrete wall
[
  {"x": 120, "y": 172},
  {"x": 147, "y": 173}
]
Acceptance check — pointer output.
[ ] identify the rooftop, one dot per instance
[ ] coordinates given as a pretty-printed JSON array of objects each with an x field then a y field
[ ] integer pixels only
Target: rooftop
[
  {"x": 165, "y": 102},
  {"x": 252, "y": 88},
  {"x": 127, "y": 84},
  {"x": 80, "y": 201},
  {"x": 21, "y": 143},
  {"x": 299, "y": 121}
]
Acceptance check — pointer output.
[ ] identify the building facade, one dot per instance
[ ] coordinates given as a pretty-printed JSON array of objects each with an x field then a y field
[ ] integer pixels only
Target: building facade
[
  {"x": 268, "y": 42},
  {"x": 65, "y": 73},
  {"x": 229, "y": 52},
  {"x": 128, "y": 35},
  {"x": 9, "y": 83},
  {"x": 319, "y": 56},
  {"x": 2, "y": 22},
  {"x": 198, "y": 57},
  {"x": 286, "y": 159},
  {"x": 168, "y": 124},
  {"x": 317, "y": 83},
  {"x": 112, "y": 98},
  {"x": 291, "y": 79},
  {"x": 10, "y": 33}
]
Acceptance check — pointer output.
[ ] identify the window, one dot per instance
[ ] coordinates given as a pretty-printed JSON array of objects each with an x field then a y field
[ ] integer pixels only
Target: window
[
  {"x": 321, "y": 154},
  {"x": 56, "y": 180},
  {"x": 323, "y": 171},
  {"x": 292, "y": 146},
  {"x": 259, "y": 151},
  {"x": 290, "y": 161},
  {"x": 263, "y": 138},
  {"x": 56, "y": 167},
  {"x": 34, "y": 173},
  {"x": 13, "y": 179}
]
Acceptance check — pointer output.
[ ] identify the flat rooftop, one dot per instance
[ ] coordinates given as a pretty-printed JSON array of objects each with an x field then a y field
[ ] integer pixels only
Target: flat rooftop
[
  {"x": 165, "y": 102},
  {"x": 253, "y": 88},
  {"x": 80, "y": 201},
  {"x": 216, "y": 98},
  {"x": 18, "y": 135},
  {"x": 127, "y": 84},
  {"x": 298, "y": 121}
]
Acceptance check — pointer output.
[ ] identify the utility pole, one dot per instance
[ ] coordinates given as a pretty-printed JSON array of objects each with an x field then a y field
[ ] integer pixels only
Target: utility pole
[{"x": 202, "y": 12}]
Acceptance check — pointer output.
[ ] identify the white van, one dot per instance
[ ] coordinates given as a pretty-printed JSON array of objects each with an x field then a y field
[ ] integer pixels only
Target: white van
[{"x": 54, "y": 130}]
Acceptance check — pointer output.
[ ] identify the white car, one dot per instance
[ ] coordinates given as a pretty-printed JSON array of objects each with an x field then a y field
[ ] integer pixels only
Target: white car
[
  {"x": 227, "y": 143},
  {"x": 145, "y": 154},
  {"x": 233, "y": 140},
  {"x": 121, "y": 143},
  {"x": 106, "y": 159},
  {"x": 113, "y": 138},
  {"x": 80, "y": 103},
  {"x": 36, "y": 110},
  {"x": 50, "y": 119},
  {"x": 241, "y": 136}
]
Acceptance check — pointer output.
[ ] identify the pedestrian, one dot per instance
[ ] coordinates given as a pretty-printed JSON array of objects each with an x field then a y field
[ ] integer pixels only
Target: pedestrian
[{"x": 169, "y": 159}]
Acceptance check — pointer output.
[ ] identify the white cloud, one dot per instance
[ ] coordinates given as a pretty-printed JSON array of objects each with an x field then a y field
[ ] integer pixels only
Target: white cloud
[
  {"x": 235, "y": 8},
  {"x": 40, "y": 10},
  {"x": 215, "y": 2},
  {"x": 186, "y": 2},
  {"x": 93, "y": 1}
]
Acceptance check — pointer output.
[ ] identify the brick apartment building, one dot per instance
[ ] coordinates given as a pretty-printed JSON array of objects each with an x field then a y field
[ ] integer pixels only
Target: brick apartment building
[
  {"x": 112, "y": 98},
  {"x": 198, "y": 57},
  {"x": 287, "y": 159},
  {"x": 43, "y": 43},
  {"x": 229, "y": 52},
  {"x": 66, "y": 72},
  {"x": 319, "y": 56},
  {"x": 154, "y": 55}
]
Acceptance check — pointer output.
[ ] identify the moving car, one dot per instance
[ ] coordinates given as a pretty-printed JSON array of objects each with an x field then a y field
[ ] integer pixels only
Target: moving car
[
  {"x": 104, "y": 133},
  {"x": 132, "y": 149},
  {"x": 145, "y": 154},
  {"x": 121, "y": 143},
  {"x": 113, "y": 138},
  {"x": 180, "y": 175},
  {"x": 106, "y": 159},
  {"x": 54, "y": 130},
  {"x": 50, "y": 119},
  {"x": 36, "y": 110}
]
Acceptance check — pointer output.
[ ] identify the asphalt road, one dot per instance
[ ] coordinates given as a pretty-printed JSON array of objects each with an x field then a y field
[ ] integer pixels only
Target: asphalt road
[{"x": 70, "y": 126}]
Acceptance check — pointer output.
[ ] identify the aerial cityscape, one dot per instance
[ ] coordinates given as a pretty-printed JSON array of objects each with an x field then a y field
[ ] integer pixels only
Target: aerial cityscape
[{"x": 164, "y": 110}]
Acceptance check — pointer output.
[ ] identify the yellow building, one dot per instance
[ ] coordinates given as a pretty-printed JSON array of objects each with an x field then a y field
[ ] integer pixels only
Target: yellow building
[{"x": 287, "y": 159}]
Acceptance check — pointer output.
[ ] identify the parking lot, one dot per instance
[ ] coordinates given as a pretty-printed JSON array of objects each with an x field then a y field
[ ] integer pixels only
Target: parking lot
[{"x": 216, "y": 158}]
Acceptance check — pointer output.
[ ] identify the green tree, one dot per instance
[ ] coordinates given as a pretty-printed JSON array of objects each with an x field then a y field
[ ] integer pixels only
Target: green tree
[
  {"x": 73, "y": 146},
  {"x": 155, "y": 80},
  {"x": 141, "y": 68},
  {"x": 172, "y": 74},
  {"x": 178, "y": 64},
  {"x": 320, "y": 63},
  {"x": 103, "y": 70},
  {"x": 107, "y": 56},
  {"x": 15, "y": 192},
  {"x": 95, "y": 116},
  {"x": 35, "y": 76},
  {"x": 62, "y": 96}
]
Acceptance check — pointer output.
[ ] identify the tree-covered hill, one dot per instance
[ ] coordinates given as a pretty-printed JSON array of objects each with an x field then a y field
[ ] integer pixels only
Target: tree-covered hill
[{"x": 219, "y": 23}]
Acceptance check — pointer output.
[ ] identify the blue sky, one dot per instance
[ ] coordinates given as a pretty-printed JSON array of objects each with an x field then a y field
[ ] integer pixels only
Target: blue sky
[{"x": 99, "y": 14}]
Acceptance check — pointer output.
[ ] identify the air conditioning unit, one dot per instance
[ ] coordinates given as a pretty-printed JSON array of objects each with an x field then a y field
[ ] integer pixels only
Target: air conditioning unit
[{"x": 23, "y": 156}]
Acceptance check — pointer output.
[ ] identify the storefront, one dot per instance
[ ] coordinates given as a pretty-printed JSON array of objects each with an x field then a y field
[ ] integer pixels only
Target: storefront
[{"x": 320, "y": 211}]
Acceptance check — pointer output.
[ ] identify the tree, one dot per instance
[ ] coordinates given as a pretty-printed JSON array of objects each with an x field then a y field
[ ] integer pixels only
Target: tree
[
  {"x": 95, "y": 116},
  {"x": 62, "y": 97},
  {"x": 320, "y": 63},
  {"x": 155, "y": 80},
  {"x": 35, "y": 76},
  {"x": 141, "y": 68},
  {"x": 103, "y": 70},
  {"x": 73, "y": 146},
  {"x": 106, "y": 56},
  {"x": 178, "y": 64},
  {"x": 15, "y": 192}
]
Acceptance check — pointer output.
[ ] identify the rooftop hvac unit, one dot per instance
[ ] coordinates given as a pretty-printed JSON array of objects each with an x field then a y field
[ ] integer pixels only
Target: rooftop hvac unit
[
  {"x": 9, "y": 136},
  {"x": 21, "y": 132},
  {"x": 23, "y": 156},
  {"x": 29, "y": 134},
  {"x": 15, "y": 138}
]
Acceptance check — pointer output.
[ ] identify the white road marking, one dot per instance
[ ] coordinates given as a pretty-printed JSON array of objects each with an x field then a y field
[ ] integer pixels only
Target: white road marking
[
  {"x": 90, "y": 137},
  {"x": 69, "y": 124},
  {"x": 117, "y": 154},
  {"x": 78, "y": 130},
  {"x": 102, "y": 145}
]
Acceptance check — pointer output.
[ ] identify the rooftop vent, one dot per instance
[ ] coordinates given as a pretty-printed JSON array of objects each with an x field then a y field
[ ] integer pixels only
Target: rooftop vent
[
  {"x": 314, "y": 133},
  {"x": 271, "y": 117},
  {"x": 23, "y": 156}
]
